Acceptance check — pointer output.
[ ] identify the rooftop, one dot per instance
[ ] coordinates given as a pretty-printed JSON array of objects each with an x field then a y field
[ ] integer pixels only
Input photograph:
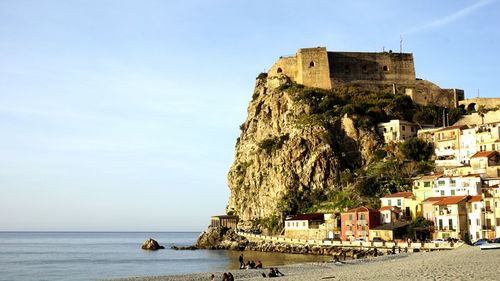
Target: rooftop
[
  {"x": 307, "y": 217},
  {"x": 392, "y": 208},
  {"x": 361, "y": 209},
  {"x": 484, "y": 154},
  {"x": 406, "y": 194},
  {"x": 476, "y": 198},
  {"x": 391, "y": 226},
  {"x": 450, "y": 200},
  {"x": 434, "y": 199}
]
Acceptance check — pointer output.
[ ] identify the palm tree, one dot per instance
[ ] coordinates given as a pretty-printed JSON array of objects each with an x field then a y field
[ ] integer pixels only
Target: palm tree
[{"x": 481, "y": 110}]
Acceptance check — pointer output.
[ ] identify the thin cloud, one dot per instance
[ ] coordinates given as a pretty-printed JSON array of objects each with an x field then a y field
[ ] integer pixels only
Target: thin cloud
[{"x": 451, "y": 18}]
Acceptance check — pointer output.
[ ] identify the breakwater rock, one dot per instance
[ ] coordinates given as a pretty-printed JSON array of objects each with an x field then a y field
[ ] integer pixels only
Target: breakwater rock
[{"x": 338, "y": 252}]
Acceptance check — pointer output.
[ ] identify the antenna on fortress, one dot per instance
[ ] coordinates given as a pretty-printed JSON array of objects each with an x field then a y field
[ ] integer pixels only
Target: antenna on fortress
[
  {"x": 383, "y": 49},
  {"x": 401, "y": 44},
  {"x": 478, "y": 92}
]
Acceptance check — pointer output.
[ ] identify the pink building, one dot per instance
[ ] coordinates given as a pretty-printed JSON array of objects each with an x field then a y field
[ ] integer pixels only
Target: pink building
[{"x": 356, "y": 223}]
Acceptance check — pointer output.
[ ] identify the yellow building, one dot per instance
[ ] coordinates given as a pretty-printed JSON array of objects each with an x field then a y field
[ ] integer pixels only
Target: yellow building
[
  {"x": 402, "y": 200},
  {"x": 422, "y": 189}
]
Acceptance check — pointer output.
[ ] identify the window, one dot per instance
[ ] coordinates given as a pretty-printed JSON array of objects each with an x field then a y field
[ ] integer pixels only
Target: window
[
  {"x": 304, "y": 223},
  {"x": 399, "y": 202},
  {"x": 363, "y": 228},
  {"x": 385, "y": 130},
  {"x": 470, "y": 222},
  {"x": 362, "y": 217},
  {"x": 311, "y": 64},
  {"x": 350, "y": 227},
  {"x": 478, "y": 222},
  {"x": 475, "y": 206},
  {"x": 450, "y": 224},
  {"x": 279, "y": 70},
  {"x": 389, "y": 202},
  {"x": 288, "y": 224},
  {"x": 442, "y": 192},
  {"x": 412, "y": 129},
  {"x": 386, "y": 68},
  {"x": 365, "y": 69},
  {"x": 403, "y": 127},
  {"x": 453, "y": 192},
  {"x": 440, "y": 224},
  {"x": 427, "y": 183},
  {"x": 440, "y": 183},
  {"x": 350, "y": 217}
]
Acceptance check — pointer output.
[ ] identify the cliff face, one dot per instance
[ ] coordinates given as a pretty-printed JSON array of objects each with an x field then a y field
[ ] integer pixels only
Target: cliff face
[{"x": 277, "y": 155}]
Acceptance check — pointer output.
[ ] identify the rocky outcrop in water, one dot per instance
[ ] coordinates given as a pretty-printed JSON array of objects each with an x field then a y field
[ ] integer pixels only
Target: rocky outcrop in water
[{"x": 151, "y": 245}]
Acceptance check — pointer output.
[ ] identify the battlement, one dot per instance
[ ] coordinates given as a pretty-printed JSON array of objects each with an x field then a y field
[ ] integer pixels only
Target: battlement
[{"x": 382, "y": 71}]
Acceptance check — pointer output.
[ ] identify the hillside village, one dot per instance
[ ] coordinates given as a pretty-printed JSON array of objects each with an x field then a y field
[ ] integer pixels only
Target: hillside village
[
  {"x": 457, "y": 199},
  {"x": 462, "y": 201}
]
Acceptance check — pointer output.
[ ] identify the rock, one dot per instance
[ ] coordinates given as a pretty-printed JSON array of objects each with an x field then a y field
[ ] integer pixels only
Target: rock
[
  {"x": 221, "y": 238},
  {"x": 151, "y": 245},
  {"x": 184, "y": 247},
  {"x": 280, "y": 154}
]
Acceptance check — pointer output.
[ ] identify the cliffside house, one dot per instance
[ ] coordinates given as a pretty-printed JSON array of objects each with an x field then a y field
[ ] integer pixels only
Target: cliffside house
[
  {"x": 398, "y": 130},
  {"x": 450, "y": 215},
  {"x": 357, "y": 222},
  {"x": 428, "y": 207},
  {"x": 403, "y": 200},
  {"x": 490, "y": 212},
  {"x": 486, "y": 162},
  {"x": 447, "y": 146},
  {"x": 225, "y": 221},
  {"x": 458, "y": 185},
  {"x": 305, "y": 226}
]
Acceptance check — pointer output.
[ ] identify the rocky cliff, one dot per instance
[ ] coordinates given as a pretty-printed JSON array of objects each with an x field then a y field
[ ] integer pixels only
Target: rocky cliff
[{"x": 283, "y": 155}]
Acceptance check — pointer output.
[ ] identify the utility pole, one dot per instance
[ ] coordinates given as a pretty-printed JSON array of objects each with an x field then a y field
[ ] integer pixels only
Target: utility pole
[{"x": 400, "y": 44}]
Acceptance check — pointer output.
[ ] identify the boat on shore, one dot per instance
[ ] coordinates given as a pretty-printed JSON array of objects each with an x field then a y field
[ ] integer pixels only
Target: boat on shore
[{"x": 490, "y": 246}]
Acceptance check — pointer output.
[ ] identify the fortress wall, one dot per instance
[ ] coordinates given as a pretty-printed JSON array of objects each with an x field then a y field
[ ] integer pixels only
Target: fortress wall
[
  {"x": 487, "y": 102},
  {"x": 425, "y": 92},
  {"x": 286, "y": 66},
  {"x": 312, "y": 68},
  {"x": 350, "y": 66}
]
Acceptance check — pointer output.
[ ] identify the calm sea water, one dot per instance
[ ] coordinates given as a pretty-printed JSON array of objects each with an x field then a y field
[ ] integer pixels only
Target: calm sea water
[{"x": 76, "y": 256}]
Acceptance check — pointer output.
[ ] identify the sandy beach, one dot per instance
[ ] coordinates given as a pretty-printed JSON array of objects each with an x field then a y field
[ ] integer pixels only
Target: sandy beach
[{"x": 464, "y": 263}]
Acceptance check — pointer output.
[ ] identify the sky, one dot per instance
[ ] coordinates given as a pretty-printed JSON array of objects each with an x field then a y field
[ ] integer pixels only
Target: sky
[{"x": 123, "y": 115}]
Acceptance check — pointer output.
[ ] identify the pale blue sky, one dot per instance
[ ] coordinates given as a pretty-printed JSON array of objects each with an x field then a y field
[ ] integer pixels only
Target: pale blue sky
[{"x": 123, "y": 115}]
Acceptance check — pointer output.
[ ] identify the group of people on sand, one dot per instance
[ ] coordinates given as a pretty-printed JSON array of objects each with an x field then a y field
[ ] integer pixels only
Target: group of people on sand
[
  {"x": 273, "y": 272},
  {"x": 225, "y": 277},
  {"x": 249, "y": 264}
]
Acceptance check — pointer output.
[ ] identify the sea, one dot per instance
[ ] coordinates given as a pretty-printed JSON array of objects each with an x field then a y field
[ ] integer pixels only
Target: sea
[{"x": 76, "y": 256}]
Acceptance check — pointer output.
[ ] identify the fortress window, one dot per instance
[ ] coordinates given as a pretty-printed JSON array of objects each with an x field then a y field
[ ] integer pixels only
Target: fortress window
[
  {"x": 279, "y": 70},
  {"x": 311, "y": 64},
  {"x": 365, "y": 69},
  {"x": 347, "y": 69},
  {"x": 386, "y": 68}
]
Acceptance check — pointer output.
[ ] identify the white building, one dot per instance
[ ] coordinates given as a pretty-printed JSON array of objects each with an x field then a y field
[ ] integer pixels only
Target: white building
[
  {"x": 458, "y": 185},
  {"x": 475, "y": 217},
  {"x": 402, "y": 200},
  {"x": 398, "y": 130}
]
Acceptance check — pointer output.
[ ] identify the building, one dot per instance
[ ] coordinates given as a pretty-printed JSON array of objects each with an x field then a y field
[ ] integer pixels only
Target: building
[
  {"x": 305, "y": 226},
  {"x": 490, "y": 212},
  {"x": 486, "y": 162},
  {"x": 397, "y": 130},
  {"x": 376, "y": 71},
  {"x": 457, "y": 185},
  {"x": 389, "y": 214},
  {"x": 224, "y": 221},
  {"x": 475, "y": 218},
  {"x": 428, "y": 207},
  {"x": 450, "y": 217},
  {"x": 447, "y": 146},
  {"x": 403, "y": 200},
  {"x": 423, "y": 186},
  {"x": 390, "y": 231},
  {"x": 357, "y": 222}
]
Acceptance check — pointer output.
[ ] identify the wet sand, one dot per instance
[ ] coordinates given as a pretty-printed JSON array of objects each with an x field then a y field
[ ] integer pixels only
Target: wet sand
[{"x": 464, "y": 263}]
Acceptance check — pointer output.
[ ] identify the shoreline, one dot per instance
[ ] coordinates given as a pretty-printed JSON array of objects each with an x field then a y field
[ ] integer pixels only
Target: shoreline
[{"x": 464, "y": 263}]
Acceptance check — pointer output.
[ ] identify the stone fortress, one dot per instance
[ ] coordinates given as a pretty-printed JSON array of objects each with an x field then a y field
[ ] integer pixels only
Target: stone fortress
[{"x": 382, "y": 71}]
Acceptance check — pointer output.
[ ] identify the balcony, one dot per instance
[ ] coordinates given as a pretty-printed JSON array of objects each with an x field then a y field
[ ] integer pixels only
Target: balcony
[
  {"x": 487, "y": 228},
  {"x": 348, "y": 233},
  {"x": 362, "y": 222},
  {"x": 348, "y": 222}
]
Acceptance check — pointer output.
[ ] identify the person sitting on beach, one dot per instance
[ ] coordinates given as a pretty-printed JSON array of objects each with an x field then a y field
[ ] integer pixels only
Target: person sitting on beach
[
  {"x": 252, "y": 264},
  {"x": 242, "y": 264},
  {"x": 230, "y": 276},
  {"x": 278, "y": 273},
  {"x": 212, "y": 277},
  {"x": 258, "y": 265},
  {"x": 272, "y": 273},
  {"x": 247, "y": 265},
  {"x": 225, "y": 277}
]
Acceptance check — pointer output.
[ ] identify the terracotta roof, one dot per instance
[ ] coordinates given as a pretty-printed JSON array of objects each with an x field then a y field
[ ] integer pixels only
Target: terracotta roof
[
  {"x": 361, "y": 209},
  {"x": 476, "y": 198},
  {"x": 493, "y": 186},
  {"x": 434, "y": 199},
  {"x": 450, "y": 200},
  {"x": 483, "y": 154},
  {"x": 400, "y": 194},
  {"x": 392, "y": 208},
  {"x": 472, "y": 176},
  {"x": 452, "y": 128},
  {"x": 307, "y": 217}
]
